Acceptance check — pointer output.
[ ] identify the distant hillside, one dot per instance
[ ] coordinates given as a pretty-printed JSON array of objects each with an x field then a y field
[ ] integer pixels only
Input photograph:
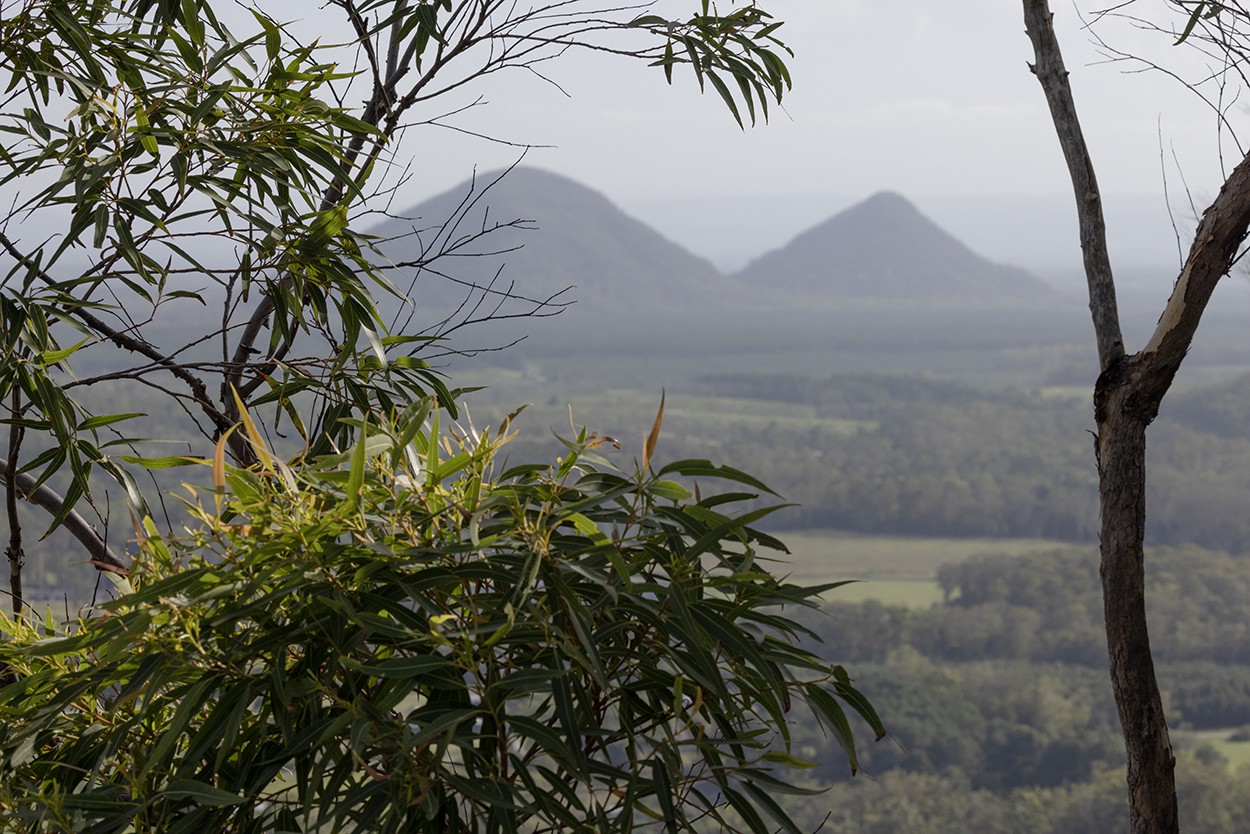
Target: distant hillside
[
  {"x": 883, "y": 251},
  {"x": 1222, "y": 410},
  {"x": 570, "y": 237}
]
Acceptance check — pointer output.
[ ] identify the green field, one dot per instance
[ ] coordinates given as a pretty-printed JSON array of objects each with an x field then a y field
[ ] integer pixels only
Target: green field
[
  {"x": 1236, "y": 752},
  {"x": 898, "y": 570},
  {"x": 905, "y": 592},
  {"x": 628, "y": 413},
  {"x": 830, "y": 555}
]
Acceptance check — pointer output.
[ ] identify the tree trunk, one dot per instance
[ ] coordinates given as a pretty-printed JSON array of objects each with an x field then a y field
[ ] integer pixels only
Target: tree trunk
[
  {"x": 15, "y": 552},
  {"x": 1121, "y": 451},
  {"x": 1127, "y": 396}
]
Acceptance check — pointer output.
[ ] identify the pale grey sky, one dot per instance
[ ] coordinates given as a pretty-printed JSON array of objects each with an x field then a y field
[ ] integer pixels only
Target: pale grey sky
[{"x": 932, "y": 100}]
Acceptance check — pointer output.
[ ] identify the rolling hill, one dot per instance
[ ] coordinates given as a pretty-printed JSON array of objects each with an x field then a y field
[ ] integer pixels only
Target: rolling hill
[
  {"x": 545, "y": 235},
  {"x": 539, "y": 235},
  {"x": 884, "y": 252}
]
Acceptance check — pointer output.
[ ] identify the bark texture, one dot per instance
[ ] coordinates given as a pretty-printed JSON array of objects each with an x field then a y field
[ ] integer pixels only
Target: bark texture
[
  {"x": 1121, "y": 451},
  {"x": 1127, "y": 396},
  {"x": 1049, "y": 69}
]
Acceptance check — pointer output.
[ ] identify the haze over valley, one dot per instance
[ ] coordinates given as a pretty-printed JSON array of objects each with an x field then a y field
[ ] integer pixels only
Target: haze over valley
[
  {"x": 925, "y": 413},
  {"x": 604, "y": 417},
  {"x": 928, "y": 410},
  {"x": 872, "y": 287}
]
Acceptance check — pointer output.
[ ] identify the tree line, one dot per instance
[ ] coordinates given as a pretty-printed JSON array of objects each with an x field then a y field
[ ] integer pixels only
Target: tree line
[
  {"x": 941, "y": 458},
  {"x": 999, "y": 700}
]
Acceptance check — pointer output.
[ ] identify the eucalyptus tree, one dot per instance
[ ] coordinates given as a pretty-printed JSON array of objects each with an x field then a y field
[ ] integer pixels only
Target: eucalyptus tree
[
  {"x": 1131, "y": 386},
  {"x": 400, "y": 639},
  {"x": 378, "y": 632},
  {"x": 159, "y": 167}
]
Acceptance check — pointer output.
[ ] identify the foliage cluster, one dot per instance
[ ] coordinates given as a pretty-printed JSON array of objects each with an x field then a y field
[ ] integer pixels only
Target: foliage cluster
[
  {"x": 223, "y": 163},
  {"x": 377, "y": 632},
  {"x": 399, "y": 638},
  {"x": 1003, "y": 686},
  {"x": 1213, "y": 800}
]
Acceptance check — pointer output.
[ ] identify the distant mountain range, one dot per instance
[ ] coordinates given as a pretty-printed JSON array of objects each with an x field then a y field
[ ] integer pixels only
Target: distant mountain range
[{"x": 546, "y": 233}]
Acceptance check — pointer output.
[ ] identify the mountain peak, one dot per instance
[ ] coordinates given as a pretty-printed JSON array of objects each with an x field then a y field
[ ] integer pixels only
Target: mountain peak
[
  {"x": 574, "y": 244},
  {"x": 886, "y": 201},
  {"x": 885, "y": 250}
]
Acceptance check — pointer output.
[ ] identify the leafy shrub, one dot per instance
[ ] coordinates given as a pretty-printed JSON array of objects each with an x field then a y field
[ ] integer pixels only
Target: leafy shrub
[{"x": 395, "y": 638}]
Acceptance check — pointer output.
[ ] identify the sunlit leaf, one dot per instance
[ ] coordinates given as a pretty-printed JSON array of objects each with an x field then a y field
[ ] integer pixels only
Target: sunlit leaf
[{"x": 653, "y": 437}]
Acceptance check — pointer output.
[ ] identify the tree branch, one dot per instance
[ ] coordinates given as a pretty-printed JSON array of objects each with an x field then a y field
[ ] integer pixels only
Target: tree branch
[
  {"x": 16, "y": 553},
  {"x": 1053, "y": 77},
  {"x": 44, "y": 496},
  {"x": 126, "y": 342},
  {"x": 1220, "y": 234}
]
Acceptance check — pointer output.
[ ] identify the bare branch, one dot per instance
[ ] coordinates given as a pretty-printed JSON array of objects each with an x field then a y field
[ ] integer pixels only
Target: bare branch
[
  {"x": 1216, "y": 244},
  {"x": 44, "y": 496},
  {"x": 130, "y": 343},
  {"x": 16, "y": 553},
  {"x": 1053, "y": 77}
]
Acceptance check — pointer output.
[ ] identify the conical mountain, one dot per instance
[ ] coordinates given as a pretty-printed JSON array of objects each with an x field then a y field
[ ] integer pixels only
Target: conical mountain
[
  {"x": 884, "y": 251},
  {"x": 546, "y": 236}
]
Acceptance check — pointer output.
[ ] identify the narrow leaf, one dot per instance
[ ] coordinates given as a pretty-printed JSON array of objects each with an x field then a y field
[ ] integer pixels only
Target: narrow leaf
[
  {"x": 258, "y": 441},
  {"x": 648, "y": 448},
  {"x": 201, "y": 793},
  {"x": 219, "y": 459}
]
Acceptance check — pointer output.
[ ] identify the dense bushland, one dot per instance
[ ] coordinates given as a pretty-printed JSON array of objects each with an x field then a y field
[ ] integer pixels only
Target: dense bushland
[{"x": 1000, "y": 706}]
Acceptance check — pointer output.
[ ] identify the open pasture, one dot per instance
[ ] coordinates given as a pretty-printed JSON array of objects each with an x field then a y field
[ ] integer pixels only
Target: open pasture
[{"x": 830, "y": 555}]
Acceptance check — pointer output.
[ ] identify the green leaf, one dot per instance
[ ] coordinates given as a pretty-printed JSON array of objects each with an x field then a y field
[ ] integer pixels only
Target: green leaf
[
  {"x": 703, "y": 468},
  {"x": 664, "y": 793},
  {"x": 102, "y": 420},
  {"x": 1194, "y": 17},
  {"x": 201, "y": 793},
  {"x": 54, "y": 357},
  {"x": 356, "y": 475},
  {"x": 671, "y": 490},
  {"x": 164, "y": 462},
  {"x": 833, "y": 719},
  {"x": 726, "y": 96},
  {"x": 189, "y": 703},
  {"x": 400, "y": 667},
  {"x": 783, "y": 758}
]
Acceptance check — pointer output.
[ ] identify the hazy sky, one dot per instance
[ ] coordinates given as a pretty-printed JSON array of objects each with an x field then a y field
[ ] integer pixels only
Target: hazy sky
[
  {"x": 932, "y": 100},
  {"x": 904, "y": 94}
]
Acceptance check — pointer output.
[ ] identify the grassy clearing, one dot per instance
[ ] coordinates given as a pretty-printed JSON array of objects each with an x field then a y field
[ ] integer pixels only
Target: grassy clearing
[
  {"x": 831, "y": 555},
  {"x": 703, "y": 413},
  {"x": 631, "y": 412},
  {"x": 1236, "y": 752},
  {"x": 905, "y": 592},
  {"x": 1067, "y": 392}
]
